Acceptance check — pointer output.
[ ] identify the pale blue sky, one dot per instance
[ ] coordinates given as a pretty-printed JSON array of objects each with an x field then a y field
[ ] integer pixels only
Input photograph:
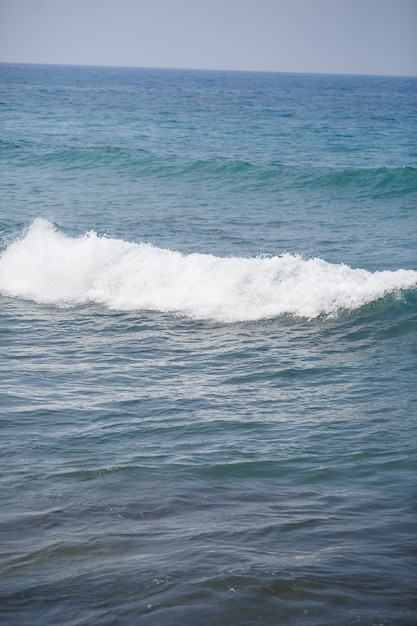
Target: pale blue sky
[{"x": 336, "y": 36}]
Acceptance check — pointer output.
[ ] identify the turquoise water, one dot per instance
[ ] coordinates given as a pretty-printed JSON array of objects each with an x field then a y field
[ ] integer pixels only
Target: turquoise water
[{"x": 208, "y": 314}]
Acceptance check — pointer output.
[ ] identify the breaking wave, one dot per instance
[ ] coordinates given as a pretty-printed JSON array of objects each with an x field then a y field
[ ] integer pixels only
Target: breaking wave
[{"x": 49, "y": 267}]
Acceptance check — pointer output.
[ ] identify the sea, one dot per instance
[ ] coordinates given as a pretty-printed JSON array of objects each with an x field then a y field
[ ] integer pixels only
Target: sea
[{"x": 208, "y": 355}]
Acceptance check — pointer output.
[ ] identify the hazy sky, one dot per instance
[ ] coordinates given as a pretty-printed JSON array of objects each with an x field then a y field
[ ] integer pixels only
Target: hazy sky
[{"x": 337, "y": 36}]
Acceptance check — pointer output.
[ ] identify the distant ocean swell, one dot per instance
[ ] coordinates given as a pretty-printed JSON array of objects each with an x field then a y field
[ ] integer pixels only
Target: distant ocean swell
[
  {"x": 48, "y": 267},
  {"x": 377, "y": 181}
]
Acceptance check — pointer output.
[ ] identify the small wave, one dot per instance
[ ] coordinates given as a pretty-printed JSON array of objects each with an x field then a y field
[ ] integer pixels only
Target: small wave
[
  {"x": 379, "y": 182},
  {"x": 376, "y": 182},
  {"x": 49, "y": 267}
]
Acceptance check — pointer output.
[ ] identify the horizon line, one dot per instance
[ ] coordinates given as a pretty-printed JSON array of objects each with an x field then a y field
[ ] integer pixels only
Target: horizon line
[{"x": 206, "y": 69}]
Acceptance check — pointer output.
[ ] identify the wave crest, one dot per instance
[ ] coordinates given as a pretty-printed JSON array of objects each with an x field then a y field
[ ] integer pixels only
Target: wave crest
[{"x": 49, "y": 267}]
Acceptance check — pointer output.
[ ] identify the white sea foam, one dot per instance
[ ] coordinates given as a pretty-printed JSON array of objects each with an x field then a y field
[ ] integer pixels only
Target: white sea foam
[{"x": 49, "y": 267}]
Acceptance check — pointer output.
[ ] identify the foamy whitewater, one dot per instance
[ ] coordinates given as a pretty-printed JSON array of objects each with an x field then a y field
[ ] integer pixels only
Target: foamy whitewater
[
  {"x": 51, "y": 268},
  {"x": 208, "y": 315}
]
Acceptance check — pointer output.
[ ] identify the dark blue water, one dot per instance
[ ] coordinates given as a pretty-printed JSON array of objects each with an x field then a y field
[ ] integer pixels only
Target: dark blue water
[{"x": 208, "y": 313}]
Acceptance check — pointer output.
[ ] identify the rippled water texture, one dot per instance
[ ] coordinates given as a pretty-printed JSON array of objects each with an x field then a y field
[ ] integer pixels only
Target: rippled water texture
[{"x": 207, "y": 348}]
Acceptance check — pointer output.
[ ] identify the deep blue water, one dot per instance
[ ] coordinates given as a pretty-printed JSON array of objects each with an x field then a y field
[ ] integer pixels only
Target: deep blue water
[{"x": 208, "y": 311}]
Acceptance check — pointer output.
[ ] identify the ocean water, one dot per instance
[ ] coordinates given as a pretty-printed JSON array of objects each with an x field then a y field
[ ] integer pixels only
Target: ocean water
[{"x": 208, "y": 356}]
